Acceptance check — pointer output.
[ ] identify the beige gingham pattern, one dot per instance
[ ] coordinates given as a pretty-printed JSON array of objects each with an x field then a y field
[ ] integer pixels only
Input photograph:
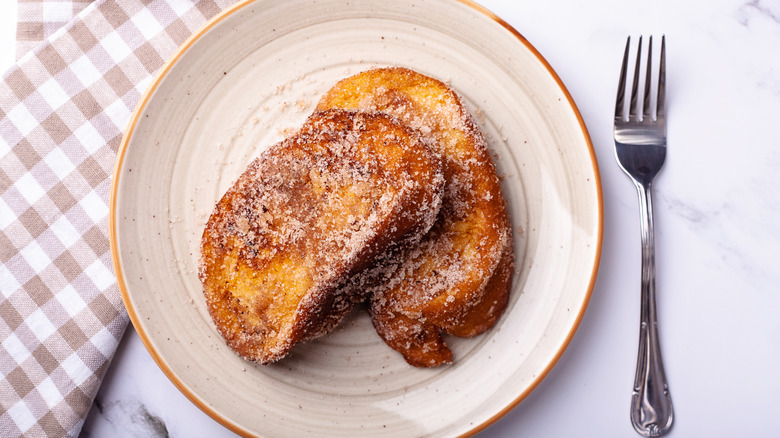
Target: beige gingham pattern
[
  {"x": 63, "y": 109},
  {"x": 39, "y": 19}
]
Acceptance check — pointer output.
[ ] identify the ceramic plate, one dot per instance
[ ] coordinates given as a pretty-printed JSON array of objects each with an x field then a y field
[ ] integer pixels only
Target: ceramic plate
[{"x": 250, "y": 78}]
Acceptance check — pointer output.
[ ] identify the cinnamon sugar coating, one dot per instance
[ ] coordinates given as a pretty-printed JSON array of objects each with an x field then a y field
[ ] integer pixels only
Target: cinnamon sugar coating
[
  {"x": 457, "y": 279},
  {"x": 306, "y": 216}
]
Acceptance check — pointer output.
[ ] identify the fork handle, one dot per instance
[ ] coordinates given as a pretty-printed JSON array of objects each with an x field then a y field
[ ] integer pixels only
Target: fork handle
[{"x": 651, "y": 404}]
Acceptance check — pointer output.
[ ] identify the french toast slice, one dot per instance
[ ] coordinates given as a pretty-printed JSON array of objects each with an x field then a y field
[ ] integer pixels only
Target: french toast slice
[
  {"x": 305, "y": 216},
  {"x": 457, "y": 278}
]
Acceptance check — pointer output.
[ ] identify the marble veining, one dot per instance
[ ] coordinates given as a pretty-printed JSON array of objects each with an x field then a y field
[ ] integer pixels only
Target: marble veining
[
  {"x": 126, "y": 418},
  {"x": 719, "y": 225},
  {"x": 770, "y": 10}
]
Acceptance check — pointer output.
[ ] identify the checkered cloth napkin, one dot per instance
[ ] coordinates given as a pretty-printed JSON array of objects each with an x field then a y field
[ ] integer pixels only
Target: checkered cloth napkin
[{"x": 63, "y": 109}]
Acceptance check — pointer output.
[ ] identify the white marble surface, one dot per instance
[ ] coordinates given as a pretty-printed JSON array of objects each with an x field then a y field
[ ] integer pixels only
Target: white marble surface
[{"x": 717, "y": 238}]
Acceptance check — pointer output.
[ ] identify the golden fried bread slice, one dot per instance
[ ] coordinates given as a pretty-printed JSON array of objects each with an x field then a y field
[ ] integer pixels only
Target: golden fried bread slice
[
  {"x": 457, "y": 279},
  {"x": 303, "y": 218}
]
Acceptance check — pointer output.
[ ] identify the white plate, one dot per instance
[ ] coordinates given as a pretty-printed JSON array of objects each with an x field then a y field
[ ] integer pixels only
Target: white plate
[{"x": 248, "y": 79}]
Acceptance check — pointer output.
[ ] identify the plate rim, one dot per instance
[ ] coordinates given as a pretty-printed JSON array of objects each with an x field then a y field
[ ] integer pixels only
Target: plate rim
[{"x": 126, "y": 299}]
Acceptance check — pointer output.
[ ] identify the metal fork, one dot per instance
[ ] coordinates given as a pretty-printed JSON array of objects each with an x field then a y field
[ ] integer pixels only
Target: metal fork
[{"x": 640, "y": 148}]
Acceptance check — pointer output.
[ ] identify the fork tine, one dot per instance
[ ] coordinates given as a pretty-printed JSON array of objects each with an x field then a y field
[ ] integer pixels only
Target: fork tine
[
  {"x": 632, "y": 109},
  {"x": 661, "y": 110},
  {"x": 621, "y": 92},
  {"x": 646, "y": 114}
]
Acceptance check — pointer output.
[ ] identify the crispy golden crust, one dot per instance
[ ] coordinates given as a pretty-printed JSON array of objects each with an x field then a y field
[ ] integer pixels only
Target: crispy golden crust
[
  {"x": 305, "y": 216},
  {"x": 457, "y": 279},
  {"x": 484, "y": 313}
]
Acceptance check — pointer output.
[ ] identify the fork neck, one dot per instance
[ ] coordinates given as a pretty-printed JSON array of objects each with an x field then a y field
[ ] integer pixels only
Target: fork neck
[{"x": 645, "y": 191}]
